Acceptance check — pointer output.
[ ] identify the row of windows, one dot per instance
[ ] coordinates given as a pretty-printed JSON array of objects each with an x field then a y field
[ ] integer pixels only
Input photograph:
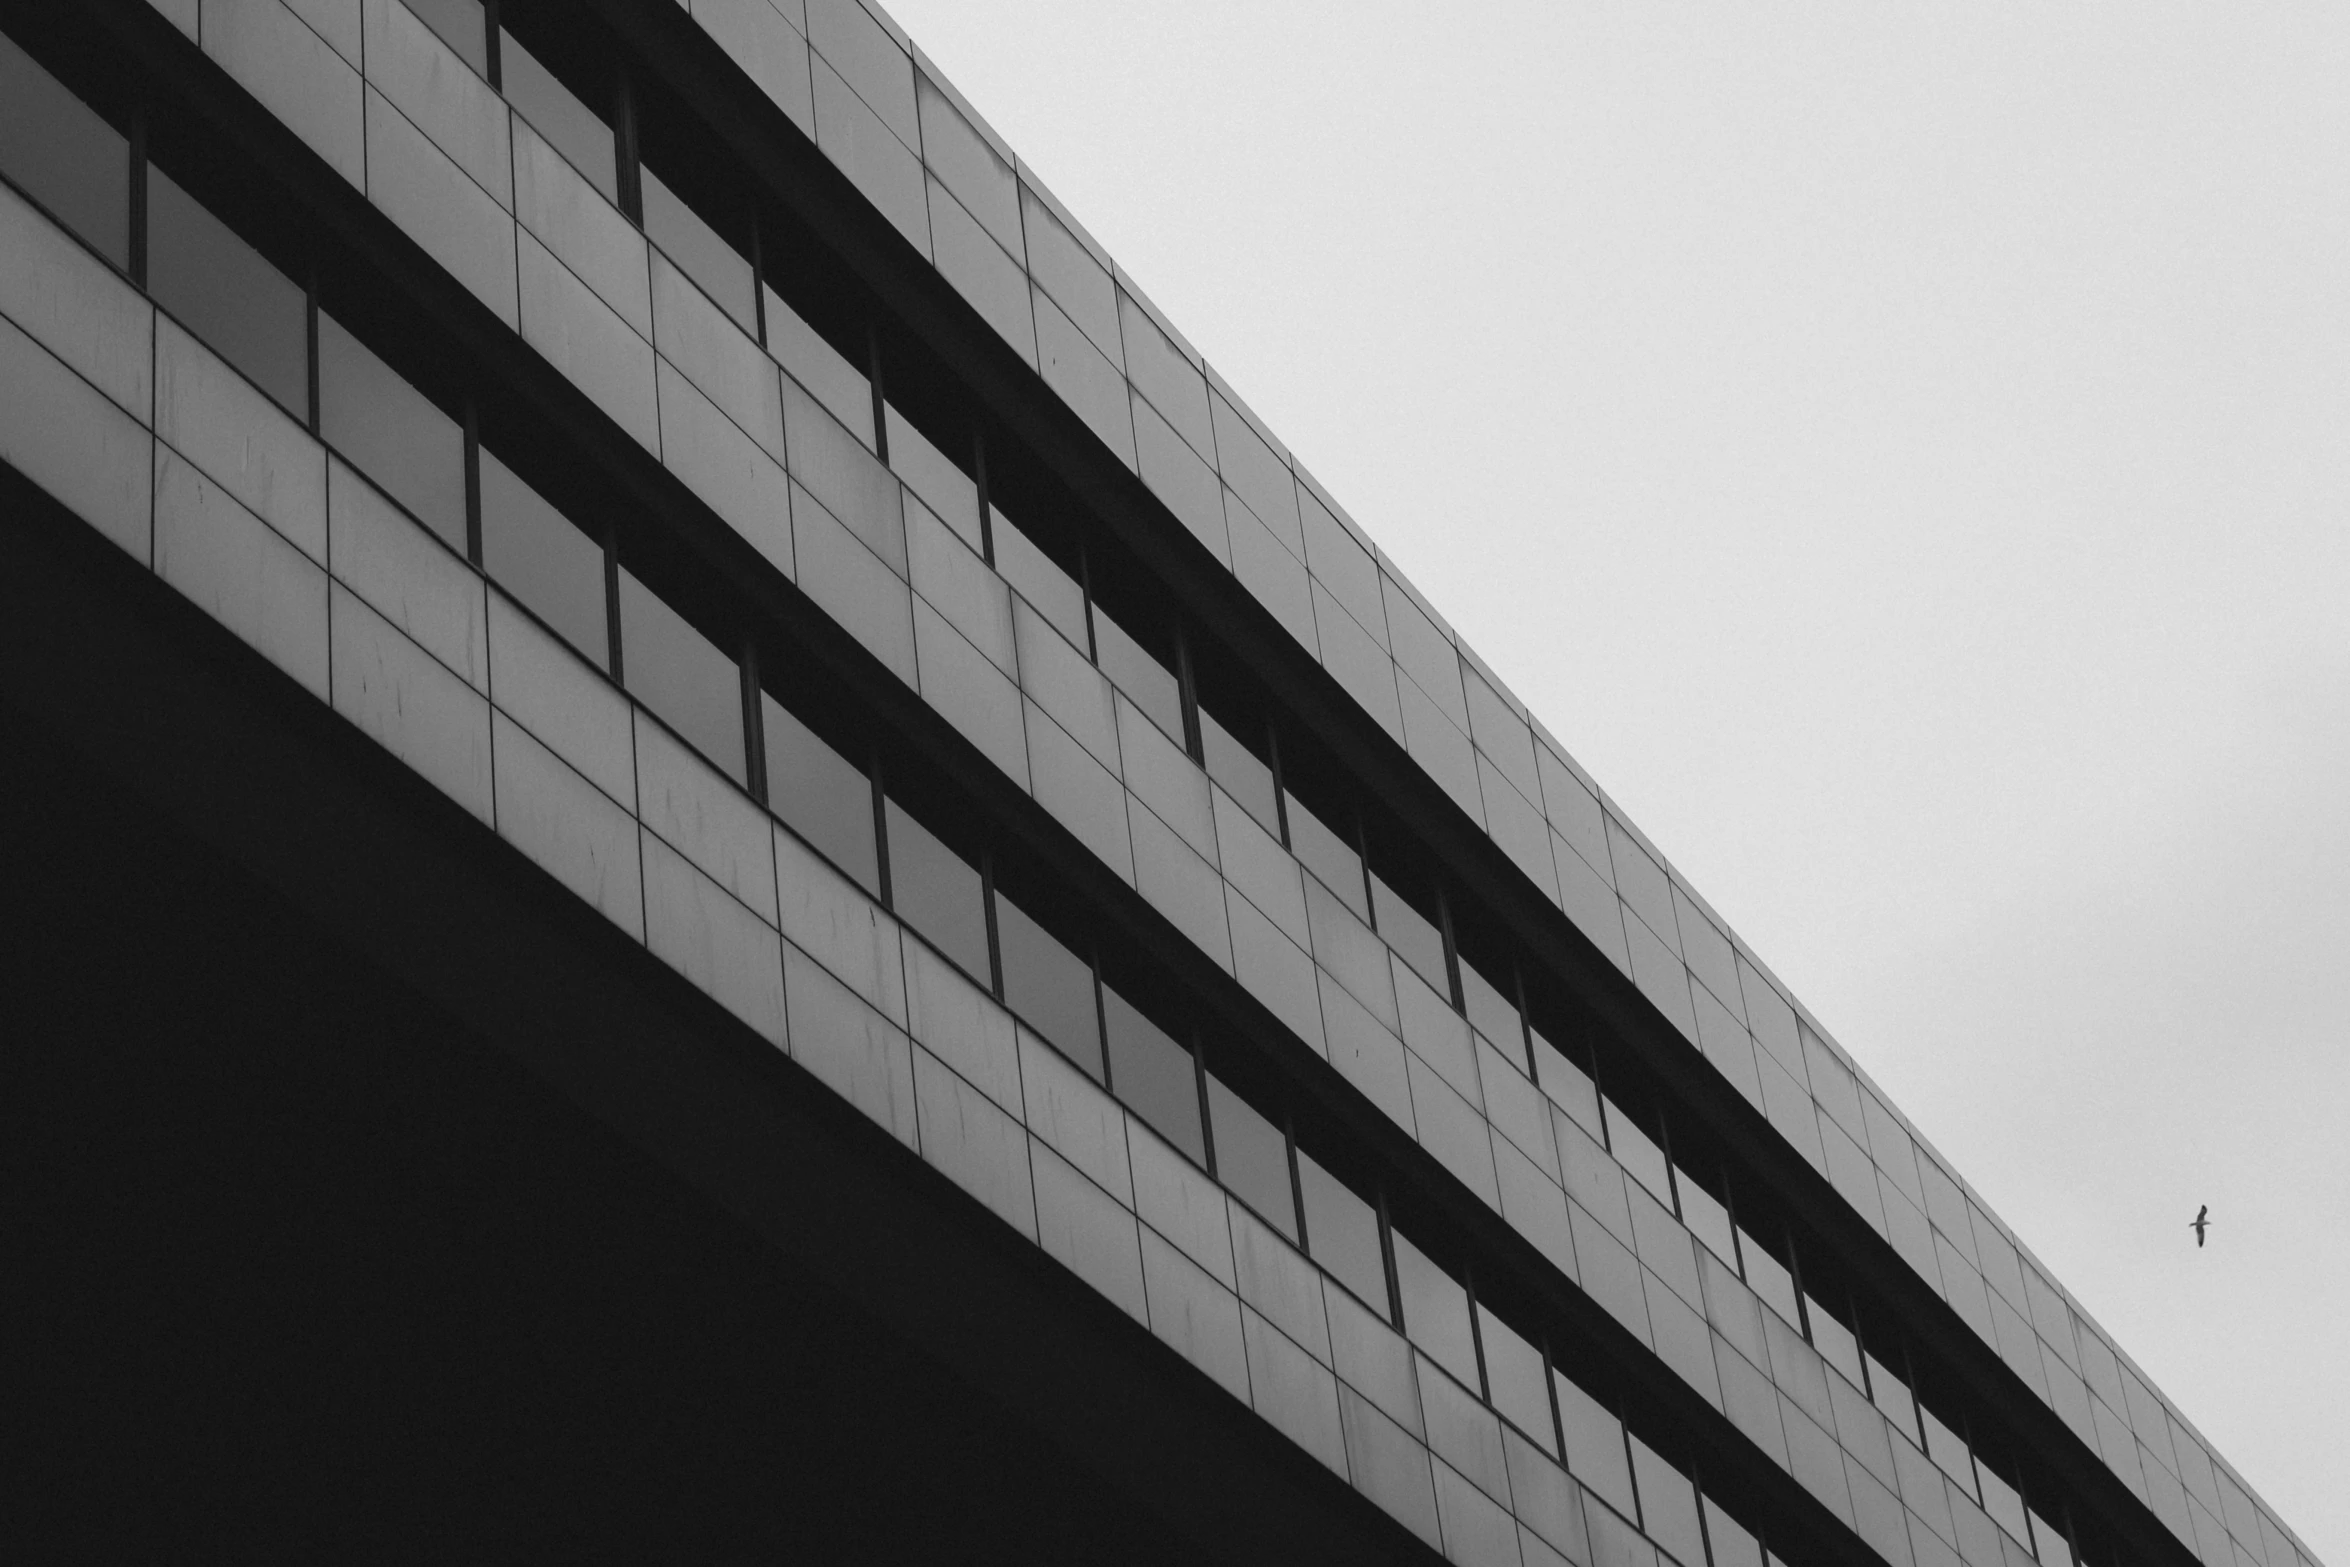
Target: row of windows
[{"x": 828, "y": 787}]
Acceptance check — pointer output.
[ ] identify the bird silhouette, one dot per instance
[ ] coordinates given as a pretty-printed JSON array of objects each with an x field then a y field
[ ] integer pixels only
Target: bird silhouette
[{"x": 2200, "y": 1223}]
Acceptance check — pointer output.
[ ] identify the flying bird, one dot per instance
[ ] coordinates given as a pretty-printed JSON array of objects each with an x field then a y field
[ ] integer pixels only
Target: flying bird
[{"x": 2200, "y": 1223}]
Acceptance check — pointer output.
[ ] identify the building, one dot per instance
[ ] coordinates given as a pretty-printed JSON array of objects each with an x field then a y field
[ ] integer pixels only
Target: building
[{"x": 713, "y": 859}]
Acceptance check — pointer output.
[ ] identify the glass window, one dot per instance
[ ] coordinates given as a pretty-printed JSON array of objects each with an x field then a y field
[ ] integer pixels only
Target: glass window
[
  {"x": 535, "y": 553},
  {"x": 1412, "y": 934},
  {"x": 1835, "y": 1342},
  {"x": 251, "y": 313},
  {"x": 945, "y": 488},
  {"x": 1052, "y": 591},
  {"x": 1668, "y": 1505},
  {"x": 1252, "y": 1157},
  {"x": 1342, "y": 1233},
  {"x": 1709, "y": 1221},
  {"x": 1768, "y": 1277},
  {"x": 1492, "y": 1011},
  {"x": 1435, "y": 1311},
  {"x": 1517, "y": 1381},
  {"x": 1891, "y": 1395},
  {"x": 700, "y": 253},
  {"x": 1948, "y": 1449},
  {"x": 1153, "y": 1074},
  {"x": 2003, "y": 1502},
  {"x": 820, "y": 794},
  {"x": 1733, "y": 1545},
  {"x": 1328, "y": 856},
  {"x": 1148, "y": 683},
  {"x": 1637, "y": 1151},
  {"x": 677, "y": 672},
  {"x": 1247, "y": 777},
  {"x": 393, "y": 433},
  {"x": 60, "y": 153},
  {"x": 570, "y": 126},
  {"x": 1049, "y": 986},
  {"x": 2049, "y": 1543},
  {"x": 938, "y": 892},
  {"x": 813, "y": 362},
  {"x": 1595, "y": 1445},
  {"x": 463, "y": 26},
  {"x": 1569, "y": 1086}
]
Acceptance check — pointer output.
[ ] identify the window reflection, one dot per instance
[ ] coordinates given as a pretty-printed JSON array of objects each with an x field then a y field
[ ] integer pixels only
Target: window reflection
[
  {"x": 1491, "y": 1011},
  {"x": 1252, "y": 1157},
  {"x": 1569, "y": 1086},
  {"x": 1329, "y": 856},
  {"x": 1768, "y": 1277},
  {"x": 1709, "y": 1221},
  {"x": 819, "y": 794},
  {"x": 1731, "y": 1543},
  {"x": 250, "y": 313},
  {"x": 1637, "y": 1151},
  {"x": 945, "y": 488},
  {"x": 59, "y": 152},
  {"x": 1053, "y": 592},
  {"x": 1668, "y": 1505},
  {"x": 535, "y": 553},
  {"x": 462, "y": 25},
  {"x": 813, "y": 362},
  {"x": 1153, "y": 1074},
  {"x": 1595, "y": 1445},
  {"x": 1519, "y": 1383},
  {"x": 1948, "y": 1449},
  {"x": 1246, "y": 776},
  {"x": 1836, "y": 1343},
  {"x": 1435, "y": 1310},
  {"x": 1147, "y": 681},
  {"x": 1890, "y": 1392},
  {"x": 1342, "y": 1233},
  {"x": 687, "y": 238},
  {"x": 939, "y": 893},
  {"x": 1049, "y": 986},
  {"x": 677, "y": 673},
  {"x": 1412, "y": 934},
  {"x": 573, "y": 129},
  {"x": 391, "y": 432}
]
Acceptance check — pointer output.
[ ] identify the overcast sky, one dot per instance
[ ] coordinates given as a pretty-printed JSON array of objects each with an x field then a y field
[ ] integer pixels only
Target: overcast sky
[{"x": 1905, "y": 455}]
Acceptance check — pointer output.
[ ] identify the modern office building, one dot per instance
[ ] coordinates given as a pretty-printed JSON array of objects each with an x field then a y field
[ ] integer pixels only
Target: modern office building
[{"x": 711, "y": 859}]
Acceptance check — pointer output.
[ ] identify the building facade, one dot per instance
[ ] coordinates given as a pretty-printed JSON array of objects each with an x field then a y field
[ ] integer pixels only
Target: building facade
[{"x": 624, "y": 631}]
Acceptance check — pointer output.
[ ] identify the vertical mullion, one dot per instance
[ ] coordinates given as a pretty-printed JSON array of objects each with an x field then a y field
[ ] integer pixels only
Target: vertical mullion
[
  {"x": 1280, "y": 789},
  {"x": 612, "y": 606},
  {"x": 995, "y": 943},
  {"x": 314, "y": 392},
  {"x": 1477, "y": 1337},
  {"x": 1297, "y": 1190},
  {"x": 472, "y": 473},
  {"x": 626, "y": 180},
  {"x": 1199, "y": 1080},
  {"x": 754, "y": 726},
  {"x": 1387, "y": 1266},
  {"x": 1452, "y": 954},
  {"x": 880, "y": 397},
  {"x": 986, "y": 507},
  {"x": 1101, "y": 1018},
  {"x": 880, "y": 833},
  {"x": 494, "y": 55}
]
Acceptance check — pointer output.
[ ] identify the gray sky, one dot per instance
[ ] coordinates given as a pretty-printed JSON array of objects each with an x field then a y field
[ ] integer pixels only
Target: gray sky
[{"x": 1906, "y": 456}]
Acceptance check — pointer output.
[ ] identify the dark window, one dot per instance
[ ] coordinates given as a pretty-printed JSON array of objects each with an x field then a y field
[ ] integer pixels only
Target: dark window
[
  {"x": 1252, "y": 1157},
  {"x": 1435, "y": 1311},
  {"x": 463, "y": 26},
  {"x": 939, "y": 893},
  {"x": 1569, "y": 1086},
  {"x": 391, "y": 432},
  {"x": 675, "y": 671},
  {"x": 1492, "y": 1011},
  {"x": 945, "y": 488},
  {"x": 535, "y": 553},
  {"x": 819, "y": 794},
  {"x": 1153, "y": 1074},
  {"x": 701, "y": 253},
  {"x": 1148, "y": 683},
  {"x": 1412, "y": 934},
  {"x": 1595, "y": 1445},
  {"x": 1051, "y": 591},
  {"x": 57, "y": 149},
  {"x": 1516, "y": 1380},
  {"x": 813, "y": 362},
  {"x": 1629, "y": 1140},
  {"x": 1246, "y": 776},
  {"x": 1768, "y": 1277},
  {"x": 1709, "y": 1221},
  {"x": 1891, "y": 1395},
  {"x": 1328, "y": 856},
  {"x": 1050, "y": 987},
  {"x": 1730, "y": 1541},
  {"x": 556, "y": 113},
  {"x": 251, "y": 314},
  {"x": 1342, "y": 1233},
  {"x": 1834, "y": 1340},
  {"x": 1668, "y": 1505}
]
